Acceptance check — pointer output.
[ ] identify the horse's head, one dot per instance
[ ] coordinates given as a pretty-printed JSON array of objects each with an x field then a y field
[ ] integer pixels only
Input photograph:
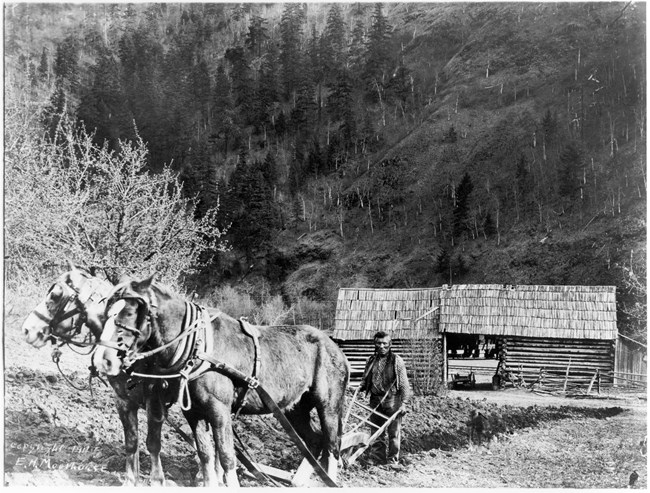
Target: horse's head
[
  {"x": 75, "y": 298},
  {"x": 127, "y": 327}
]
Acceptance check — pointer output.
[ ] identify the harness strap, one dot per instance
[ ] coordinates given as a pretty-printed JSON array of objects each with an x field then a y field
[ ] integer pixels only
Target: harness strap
[
  {"x": 191, "y": 371},
  {"x": 195, "y": 327},
  {"x": 268, "y": 401},
  {"x": 254, "y": 333}
]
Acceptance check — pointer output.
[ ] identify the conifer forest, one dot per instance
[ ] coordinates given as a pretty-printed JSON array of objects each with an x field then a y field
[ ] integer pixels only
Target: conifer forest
[{"x": 318, "y": 146}]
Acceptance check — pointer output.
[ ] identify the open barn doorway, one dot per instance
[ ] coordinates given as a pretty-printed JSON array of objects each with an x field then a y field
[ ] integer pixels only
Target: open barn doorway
[{"x": 471, "y": 359}]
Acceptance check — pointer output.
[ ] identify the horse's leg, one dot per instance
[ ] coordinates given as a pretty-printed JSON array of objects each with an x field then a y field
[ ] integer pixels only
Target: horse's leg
[
  {"x": 205, "y": 451},
  {"x": 128, "y": 413},
  {"x": 156, "y": 414},
  {"x": 224, "y": 442},
  {"x": 300, "y": 419},
  {"x": 331, "y": 424}
]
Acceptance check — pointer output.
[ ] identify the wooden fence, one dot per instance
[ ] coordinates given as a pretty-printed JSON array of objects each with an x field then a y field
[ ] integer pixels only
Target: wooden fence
[{"x": 631, "y": 369}]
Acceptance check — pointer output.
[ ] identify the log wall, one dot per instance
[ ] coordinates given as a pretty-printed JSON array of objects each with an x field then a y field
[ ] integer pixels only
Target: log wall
[
  {"x": 423, "y": 359},
  {"x": 582, "y": 357}
]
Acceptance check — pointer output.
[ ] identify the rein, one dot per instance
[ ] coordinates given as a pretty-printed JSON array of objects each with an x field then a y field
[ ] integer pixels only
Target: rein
[{"x": 56, "y": 358}]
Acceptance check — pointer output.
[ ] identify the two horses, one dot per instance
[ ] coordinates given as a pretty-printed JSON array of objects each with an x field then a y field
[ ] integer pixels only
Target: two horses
[
  {"x": 145, "y": 333},
  {"x": 78, "y": 299}
]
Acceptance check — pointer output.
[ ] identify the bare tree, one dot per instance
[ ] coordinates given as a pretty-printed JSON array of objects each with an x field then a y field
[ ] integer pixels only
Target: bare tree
[{"x": 66, "y": 197}]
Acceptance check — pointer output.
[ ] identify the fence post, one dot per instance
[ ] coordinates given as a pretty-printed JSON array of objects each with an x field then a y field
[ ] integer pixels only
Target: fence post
[
  {"x": 566, "y": 376},
  {"x": 593, "y": 379}
]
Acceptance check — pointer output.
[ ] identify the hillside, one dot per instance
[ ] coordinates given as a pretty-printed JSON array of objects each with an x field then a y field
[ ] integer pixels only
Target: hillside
[{"x": 413, "y": 145}]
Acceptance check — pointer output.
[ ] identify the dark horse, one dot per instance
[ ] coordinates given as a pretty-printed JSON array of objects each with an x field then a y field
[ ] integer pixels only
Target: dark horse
[
  {"x": 300, "y": 367},
  {"x": 77, "y": 298}
]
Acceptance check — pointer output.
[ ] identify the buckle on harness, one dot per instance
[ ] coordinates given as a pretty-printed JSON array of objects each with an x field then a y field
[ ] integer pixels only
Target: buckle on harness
[
  {"x": 187, "y": 369},
  {"x": 252, "y": 382},
  {"x": 56, "y": 354}
]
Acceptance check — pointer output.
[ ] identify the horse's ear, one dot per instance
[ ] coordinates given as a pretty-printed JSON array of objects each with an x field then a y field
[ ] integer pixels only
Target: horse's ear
[
  {"x": 146, "y": 284},
  {"x": 71, "y": 266}
]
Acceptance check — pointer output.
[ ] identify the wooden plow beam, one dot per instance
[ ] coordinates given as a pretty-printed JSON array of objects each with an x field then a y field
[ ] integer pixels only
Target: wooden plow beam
[
  {"x": 355, "y": 440},
  {"x": 314, "y": 464}
]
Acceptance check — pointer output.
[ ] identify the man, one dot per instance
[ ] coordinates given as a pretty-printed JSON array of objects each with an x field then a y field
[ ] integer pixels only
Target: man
[{"x": 384, "y": 378}]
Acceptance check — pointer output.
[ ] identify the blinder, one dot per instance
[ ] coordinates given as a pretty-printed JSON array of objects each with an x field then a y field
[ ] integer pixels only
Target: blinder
[
  {"x": 146, "y": 312},
  {"x": 69, "y": 294}
]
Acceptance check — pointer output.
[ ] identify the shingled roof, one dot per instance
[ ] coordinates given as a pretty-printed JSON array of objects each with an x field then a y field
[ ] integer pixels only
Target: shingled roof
[
  {"x": 566, "y": 312},
  {"x": 361, "y": 312}
]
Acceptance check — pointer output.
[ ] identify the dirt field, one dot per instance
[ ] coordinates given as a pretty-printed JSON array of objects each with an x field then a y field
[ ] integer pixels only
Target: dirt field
[{"x": 58, "y": 436}]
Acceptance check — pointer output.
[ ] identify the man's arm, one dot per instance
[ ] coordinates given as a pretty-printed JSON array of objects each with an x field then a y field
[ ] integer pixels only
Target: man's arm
[
  {"x": 364, "y": 379},
  {"x": 404, "y": 389}
]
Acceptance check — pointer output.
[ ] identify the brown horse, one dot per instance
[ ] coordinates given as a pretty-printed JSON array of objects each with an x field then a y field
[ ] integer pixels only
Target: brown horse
[
  {"x": 300, "y": 367},
  {"x": 77, "y": 298}
]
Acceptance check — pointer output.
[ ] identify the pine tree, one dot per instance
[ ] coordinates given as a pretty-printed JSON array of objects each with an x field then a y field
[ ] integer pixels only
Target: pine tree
[
  {"x": 200, "y": 87},
  {"x": 316, "y": 68},
  {"x": 254, "y": 215},
  {"x": 242, "y": 85},
  {"x": 378, "y": 57},
  {"x": 66, "y": 66},
  {"x": 333, "y": 43},
  {"x": 357, "y": 50},
  {"x": 270, "y": 169},
  {"x": 570, "y": 165},
  {"x": 290, "y": 52},
  {"x": 463, "y": 191},
  {"x": 303, "y": 114},
  {"x": 523, "y": 178},
  {"x": 443, "y": 262},
  {"x": 53, "y": 112},
  {"x": 341, "y": 105},
  {"x": 549, "y": 127},
  {"x": 223, "y": 107},
  {"x": 103, "y": 106},
  {"x": 315, "y": 163},
  {"x": 267, "y": 89},
  {"x": 43, "y": 67},
  {"x": 296, "y": 170},
  {"x": 256, "y": 36}
]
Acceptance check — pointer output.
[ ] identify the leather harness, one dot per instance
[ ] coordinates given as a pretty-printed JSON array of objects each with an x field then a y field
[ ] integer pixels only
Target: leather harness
[{"x": 201, "y": 352}]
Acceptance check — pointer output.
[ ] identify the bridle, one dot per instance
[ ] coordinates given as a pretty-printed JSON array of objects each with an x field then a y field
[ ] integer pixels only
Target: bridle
[
  {"x": 185, "y": 364},
  {"x": 79, "y": 296},
  {"x": 147, "y": 312},
  {"x": 130, "y": 353}
]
